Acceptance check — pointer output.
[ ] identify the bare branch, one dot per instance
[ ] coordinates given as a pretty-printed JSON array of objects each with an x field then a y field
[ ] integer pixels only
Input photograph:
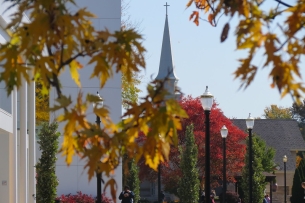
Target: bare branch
[
  {"x": 283, "y": 3},
  {"x": 289, "y": 38},
  {"x": 71, "y": 59}
]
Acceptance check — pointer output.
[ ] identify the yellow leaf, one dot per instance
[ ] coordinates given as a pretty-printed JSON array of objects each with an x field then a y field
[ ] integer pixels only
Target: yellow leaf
[
  {"x": 63, "y": 102},
  {"x": 246, "y": 8},
  {"x": 15, "y": 40},
  {"x": 152, "y": 162},
  {"x": 74, "y": 66}
]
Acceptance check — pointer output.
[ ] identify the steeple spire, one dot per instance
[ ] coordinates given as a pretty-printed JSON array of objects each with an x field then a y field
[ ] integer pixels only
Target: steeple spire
[{"x": 166, "y": 67}]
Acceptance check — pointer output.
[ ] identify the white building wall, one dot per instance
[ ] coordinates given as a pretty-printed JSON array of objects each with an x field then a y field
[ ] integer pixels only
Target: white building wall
[
  {"x": 7, "y": 175},
  {"x": 74, "y": 178},
  {"x": 5, "y": 180}
]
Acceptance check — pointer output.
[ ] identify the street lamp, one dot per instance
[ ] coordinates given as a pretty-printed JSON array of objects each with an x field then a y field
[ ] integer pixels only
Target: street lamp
[
  {"x": 206, "y": 102},
  {"x": 285, "y": 160},
  {"x": 224, "y": 133},
  {"x": 250, "y": 124},
  {"x": 98, "y": 104}
]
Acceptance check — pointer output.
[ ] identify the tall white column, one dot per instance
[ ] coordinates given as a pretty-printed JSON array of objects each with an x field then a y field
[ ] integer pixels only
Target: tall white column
[
  {"x": 32, "y": 141},
  {"x": 23, "y": 186},
  {"x": 15, "y": 149}
]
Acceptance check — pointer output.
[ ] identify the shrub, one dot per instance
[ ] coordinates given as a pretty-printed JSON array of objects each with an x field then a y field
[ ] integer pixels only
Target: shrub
[
  {"x": 143, "y": 201},
  {"x": 81, "y": 198},
  {"x": 299, "y": 176},
  {"x": 188, "y": 186},
  {"x": 45, "y": 167}
]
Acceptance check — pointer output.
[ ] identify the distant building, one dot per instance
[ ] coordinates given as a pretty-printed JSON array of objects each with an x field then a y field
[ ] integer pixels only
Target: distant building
[{"x": 285, "y": 137}]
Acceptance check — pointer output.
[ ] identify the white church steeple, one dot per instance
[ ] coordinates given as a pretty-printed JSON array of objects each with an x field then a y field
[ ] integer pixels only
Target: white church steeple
[{"x": 166, "y": 67}]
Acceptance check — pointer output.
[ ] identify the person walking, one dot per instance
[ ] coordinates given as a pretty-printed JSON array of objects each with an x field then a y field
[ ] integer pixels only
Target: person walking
[
  {"x": 265, "y": 199},
  {"x": 127, "y": 195},
  {"x": 162, "y": 196},
  {"x": 212, "y": 198},
  {"x": 268, "y": 199},
  {"x": 202, "y": 197}
]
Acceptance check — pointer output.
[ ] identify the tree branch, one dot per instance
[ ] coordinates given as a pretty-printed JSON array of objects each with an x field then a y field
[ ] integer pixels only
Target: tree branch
[
  {"x": 289, "y": 38},
  {"x": 71, "y": 59},
  {"x": 283, "y": 3}
]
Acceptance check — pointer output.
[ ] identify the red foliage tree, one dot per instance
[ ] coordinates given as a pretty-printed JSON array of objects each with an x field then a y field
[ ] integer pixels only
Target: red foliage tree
[{"x": 235, "y": 146}]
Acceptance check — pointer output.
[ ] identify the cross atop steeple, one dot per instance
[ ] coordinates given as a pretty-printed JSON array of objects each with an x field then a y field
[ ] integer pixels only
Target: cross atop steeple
[{"x": 166, "y": 5}]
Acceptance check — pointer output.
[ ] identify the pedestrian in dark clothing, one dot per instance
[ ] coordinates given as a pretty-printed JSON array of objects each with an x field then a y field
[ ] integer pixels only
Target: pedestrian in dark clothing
[
  {"x": 265, "y": 199},
  {"x": 162, "y": 196},
  {"x": 126, "y": 196},
  {"x": 202, "y": 198}
]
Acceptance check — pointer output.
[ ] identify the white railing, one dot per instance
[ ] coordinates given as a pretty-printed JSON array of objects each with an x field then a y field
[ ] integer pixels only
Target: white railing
[
  {"x": 6, "y": 121},
  {"x": 5, "y": 112}
]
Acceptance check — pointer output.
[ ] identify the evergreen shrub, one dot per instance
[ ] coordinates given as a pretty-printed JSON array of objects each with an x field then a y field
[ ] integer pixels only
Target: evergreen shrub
[
  {"x": 297, "y": 192},
  {"x": 45, "y": 167}
]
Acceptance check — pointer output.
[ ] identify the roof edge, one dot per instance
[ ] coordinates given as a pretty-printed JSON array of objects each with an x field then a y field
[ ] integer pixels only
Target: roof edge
[{"x": 293, "y": 150}]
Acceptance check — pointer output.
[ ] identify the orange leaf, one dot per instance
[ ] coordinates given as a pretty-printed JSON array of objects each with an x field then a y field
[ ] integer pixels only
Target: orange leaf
[
  {"x": 113, "y": 188},
  {"x": 195, "y": 15},
  {"x": 189, "y": 3},
  {"x": 211, "y": 18}
]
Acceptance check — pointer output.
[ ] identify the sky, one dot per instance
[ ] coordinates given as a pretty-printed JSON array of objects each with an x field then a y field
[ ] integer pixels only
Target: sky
[{"x": 200, "y": 59}]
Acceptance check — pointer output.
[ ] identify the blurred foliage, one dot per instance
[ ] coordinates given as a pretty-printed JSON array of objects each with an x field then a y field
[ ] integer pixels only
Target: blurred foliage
[
  {"x": 275, "y": 112},
  {"x": 53, "y": 41}
]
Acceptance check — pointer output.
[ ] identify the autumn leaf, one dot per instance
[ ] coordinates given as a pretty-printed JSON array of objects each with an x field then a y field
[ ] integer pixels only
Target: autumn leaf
[
  {"x": 195, "y": 15},
  {"x": 211, "y": 18},
  {"x": 74, "y": 66},
  {"x": 258, "y": 32},
  {"x": 189, "y": 3},
  {"x": 113, "y": 187},
  {"x": 225, "y": 32}
]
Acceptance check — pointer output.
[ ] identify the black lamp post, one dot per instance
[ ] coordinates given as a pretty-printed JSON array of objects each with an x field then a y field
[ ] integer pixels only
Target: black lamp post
[
  {"x": 98, "y": 105},
  {"x": 159, "y": 183},
  {"x": 224, "y": 134},
  {"x": 285, "y": 160},
  {"x": 250, "y": 124},
  {"x": 207, "y": 102},
  {"x": 303, "y": 186}
]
